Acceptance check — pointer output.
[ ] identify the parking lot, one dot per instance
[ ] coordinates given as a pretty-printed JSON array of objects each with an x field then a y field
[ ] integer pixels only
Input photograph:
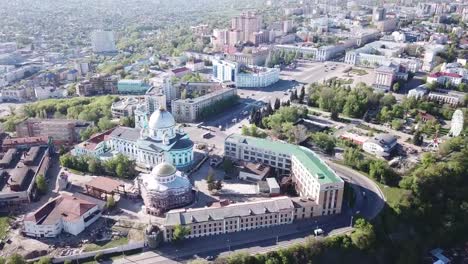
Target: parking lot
[{"x": 310, "y": 72}]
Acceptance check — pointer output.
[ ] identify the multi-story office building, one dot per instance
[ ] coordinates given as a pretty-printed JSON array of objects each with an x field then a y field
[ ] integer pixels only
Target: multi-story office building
[
  {"x": 63, "y": 131},
  {"x": 220, "y": 38},
  {"x": 257, "y": 57},
  {"x": 384, "y": 78},
  {"x": 378, "y": 14},
  {"x": 378, "y": 53},
  {"x": 230, "y": 218},
  {"x": 223, "y": 218},
  {"x": 224, "y": 70},
  {"x": 257, "y": 77},
  {"x": 103, "y": 41},
  {"x": 125, "y": 107},
  {"x": 244, "y": 76},
  {"x": 97, "y": 85},
  {"x": 189, "y": 110},
  {"x": 312, "y": 176},
  {"x": 445, "y": 78},
  {"x": 153, "y": 100},
  {"x": 452, "y": 98}
]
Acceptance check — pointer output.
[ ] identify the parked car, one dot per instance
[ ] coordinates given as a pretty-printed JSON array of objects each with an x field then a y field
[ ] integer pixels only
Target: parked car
[{"x": 318, "y": 232}]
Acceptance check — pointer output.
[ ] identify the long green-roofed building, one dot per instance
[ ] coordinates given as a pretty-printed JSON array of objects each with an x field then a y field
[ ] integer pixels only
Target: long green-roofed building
[{"x": 313, "y": 178}]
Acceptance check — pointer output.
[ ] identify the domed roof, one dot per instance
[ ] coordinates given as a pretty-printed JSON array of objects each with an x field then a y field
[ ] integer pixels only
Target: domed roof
[
  {"x": 161, "y": 119},
  {"x": 163, "y": 170}
]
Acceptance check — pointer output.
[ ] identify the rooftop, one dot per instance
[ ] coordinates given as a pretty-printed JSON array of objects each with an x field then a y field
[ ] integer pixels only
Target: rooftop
[
  {"x": 188, "y": 216},
  {"x": 307, "y": 157},
  {"x": 126, "y": 133},
  {"x": 64, "y": 206},
  {"x": 105, "y": 184},
  {"x": 445, "y": 74},
  {"x": 256, "y": 168}
]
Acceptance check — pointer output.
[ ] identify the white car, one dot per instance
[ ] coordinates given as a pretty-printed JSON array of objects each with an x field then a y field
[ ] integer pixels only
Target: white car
[{"x": 318, "y": 232}]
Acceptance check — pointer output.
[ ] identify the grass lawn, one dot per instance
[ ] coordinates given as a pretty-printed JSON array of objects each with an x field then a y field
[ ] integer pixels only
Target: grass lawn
[
  {"x": 359, "y": 72},
  {"x": 4, "y": 224},
  {"x": 113, "y": 243},
  {"x": 392, "y": 194},
  {"x": 77, "y": 172}
]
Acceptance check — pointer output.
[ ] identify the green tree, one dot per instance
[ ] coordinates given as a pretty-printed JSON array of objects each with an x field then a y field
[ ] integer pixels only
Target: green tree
[
  {"x": 397, "y": 124},
  {"x": 16, "y": 259},
  {"x": 120, "y": 170},
  {"x": 105, "y": 124},
  {"x": 379, "y": 171},
  {"x": 352, "y": 157},
  {"x": 210, "y": 178},
  {"x": 41, "y": 183},
  {"x": 110, "y": 202},
  {"x": 324, "y": 142},
  {"x": 44, "y": 260},
  {"x": 94, "y": 166},
  {"x": 388, "y": 100},
  {"x": 128, "y": 121},
  {"x": 180, "y": 232},
  {"x": 396, "y": 87},
  {"x": 364, "y": 236}
]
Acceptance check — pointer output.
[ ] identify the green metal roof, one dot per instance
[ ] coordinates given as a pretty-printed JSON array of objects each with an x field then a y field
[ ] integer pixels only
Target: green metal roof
[{"x": 307, "y": 157}]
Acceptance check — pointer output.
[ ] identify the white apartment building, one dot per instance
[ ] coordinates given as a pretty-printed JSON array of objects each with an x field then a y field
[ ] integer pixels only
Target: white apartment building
[
  {"x": 257, "y": 77},
  {"x": 188, "y": 110},
  {"x": 224, "y": 70},
  {"x": 64, "y": 213},
  {"x": 245, "y": 76},
  {"x": 219, "y": 219},
  {"x": 314, "y": 179}
]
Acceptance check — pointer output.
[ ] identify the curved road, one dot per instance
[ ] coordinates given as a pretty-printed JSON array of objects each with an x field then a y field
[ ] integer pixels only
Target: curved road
[{"x": 370, "y": 200}]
